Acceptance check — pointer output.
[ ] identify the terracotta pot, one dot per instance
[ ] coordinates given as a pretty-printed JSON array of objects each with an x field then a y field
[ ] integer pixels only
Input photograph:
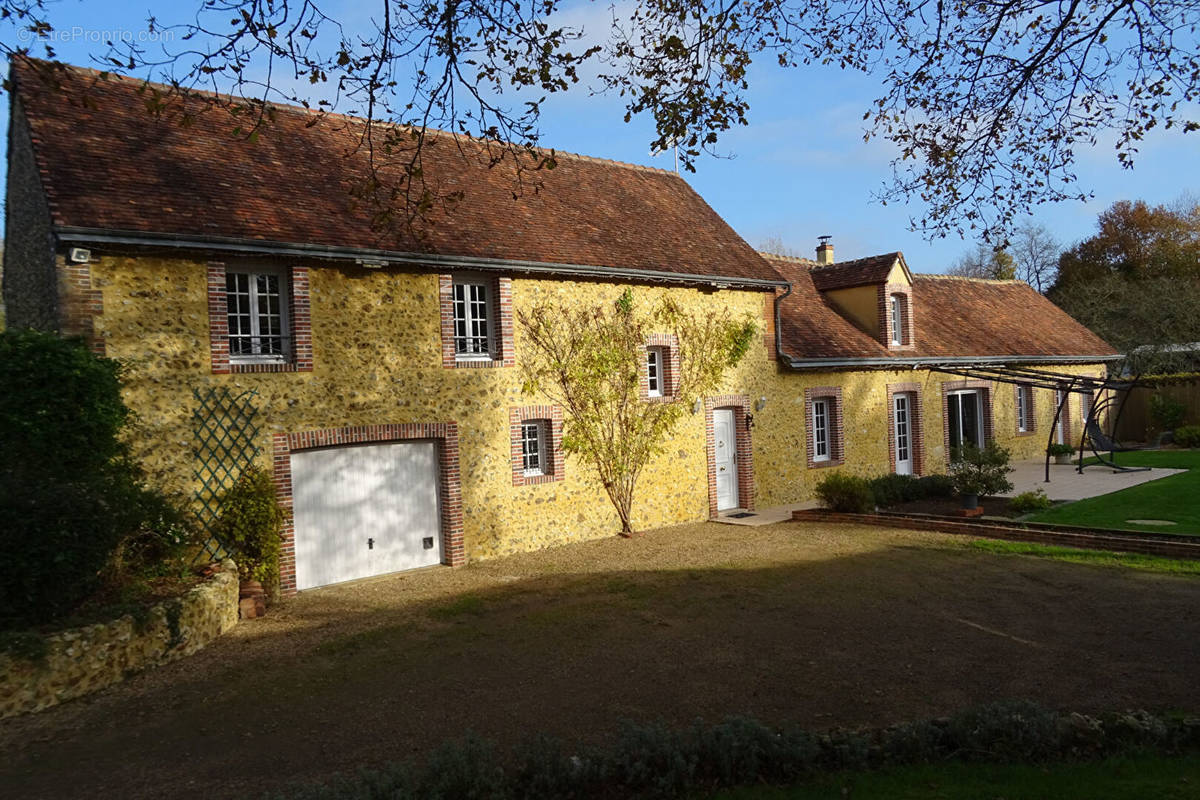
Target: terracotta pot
[{"x": 250, "y": 589}]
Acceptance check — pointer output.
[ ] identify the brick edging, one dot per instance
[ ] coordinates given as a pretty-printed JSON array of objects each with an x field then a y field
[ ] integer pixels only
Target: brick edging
[{"x": 1084, "y": 538}]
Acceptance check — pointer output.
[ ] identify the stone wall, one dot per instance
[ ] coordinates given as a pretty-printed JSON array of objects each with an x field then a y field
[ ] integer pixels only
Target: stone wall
[
  {"x": 30, "y": 286},
  {"x": 84, "y": 660},
  {"x": 378, "y": 360}
]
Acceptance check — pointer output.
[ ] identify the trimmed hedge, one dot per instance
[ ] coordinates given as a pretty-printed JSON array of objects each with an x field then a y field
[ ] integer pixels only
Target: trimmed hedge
[
  {"x": 855, "y": 495},
  {"x": 655, "y": 761}
]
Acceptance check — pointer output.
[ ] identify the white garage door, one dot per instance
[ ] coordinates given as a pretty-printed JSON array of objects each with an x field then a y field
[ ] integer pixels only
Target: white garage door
[{"x": 365, "y": 510}]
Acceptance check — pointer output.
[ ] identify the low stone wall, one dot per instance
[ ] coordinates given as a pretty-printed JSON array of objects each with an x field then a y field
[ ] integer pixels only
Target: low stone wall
[
  {"x": 83, "y": 660},
  {"x": 1040, "y": 533}
]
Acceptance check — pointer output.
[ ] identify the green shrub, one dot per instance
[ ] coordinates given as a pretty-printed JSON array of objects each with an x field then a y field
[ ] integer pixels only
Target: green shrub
[
  {"x": 69, "y": 493},
  {"x": 980, "y": 470},
  {"x": 936, "y": 485},
  {"x": 1057, "y": 449},
  {"x": 1188, "y": 436},
  {"x": 847, "y": 493},
  {"x": 889, "y": 490},
  {"x": 249, "y": 524},
  {"x": 1166, "y": 412},
  {"x": 1027, "y": 502}
]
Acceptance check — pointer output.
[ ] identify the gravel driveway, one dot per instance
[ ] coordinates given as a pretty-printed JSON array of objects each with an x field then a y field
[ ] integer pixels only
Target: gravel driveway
[{"x": 821, "y": 626}]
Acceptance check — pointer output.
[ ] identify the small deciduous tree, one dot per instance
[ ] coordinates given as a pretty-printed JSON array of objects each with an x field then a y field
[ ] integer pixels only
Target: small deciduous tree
[
  {"x": 985, "y": 262},
  {"x": 591, "y": 361}
]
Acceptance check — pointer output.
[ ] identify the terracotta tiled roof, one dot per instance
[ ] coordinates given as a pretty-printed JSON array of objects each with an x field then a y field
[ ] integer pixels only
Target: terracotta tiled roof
[
  {"x": 107, "y": 164},
  {"x": 859, "y": 272},
  {"x": 954, "y": 317},
  {"x": 808, "y": 324},
  {"x": 971, "y": 317}
]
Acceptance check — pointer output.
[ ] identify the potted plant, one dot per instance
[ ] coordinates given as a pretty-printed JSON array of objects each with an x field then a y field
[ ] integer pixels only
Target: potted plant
[
  {"x": 1061, "y": 453},
  {"x": 979, "y": 471}
]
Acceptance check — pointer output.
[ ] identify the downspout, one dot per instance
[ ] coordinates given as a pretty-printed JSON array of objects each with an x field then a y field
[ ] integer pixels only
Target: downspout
[{"x": 779, "y": 354}]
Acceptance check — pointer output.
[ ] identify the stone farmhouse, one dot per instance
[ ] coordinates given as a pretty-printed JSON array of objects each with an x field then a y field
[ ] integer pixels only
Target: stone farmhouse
[{"x": 385, "y": 369}]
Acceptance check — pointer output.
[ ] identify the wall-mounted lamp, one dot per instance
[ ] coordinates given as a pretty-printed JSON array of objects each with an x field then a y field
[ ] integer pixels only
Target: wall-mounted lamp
[
  {"x": 696, "y": 406},
  {"x": 760, "y": 404}
]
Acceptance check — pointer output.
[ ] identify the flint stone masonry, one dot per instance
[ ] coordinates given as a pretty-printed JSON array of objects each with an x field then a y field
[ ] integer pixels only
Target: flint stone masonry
[{"x": 84, "y": 660}]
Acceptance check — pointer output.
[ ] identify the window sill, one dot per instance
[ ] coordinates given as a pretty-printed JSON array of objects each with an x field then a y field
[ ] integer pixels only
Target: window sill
[
  {"x": 829, "y": 462},
  {"x": 461, "y": 362},
  {"x": 267, "y": 366},
  {"x": 1027, "y": 433},
  {"x": 533, "y": 480}
]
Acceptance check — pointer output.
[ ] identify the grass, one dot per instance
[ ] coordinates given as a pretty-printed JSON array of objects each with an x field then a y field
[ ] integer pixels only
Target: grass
[
  {"x": 1175, "y": 498},
  {"x": 1124, "y": 778},
  {"x": 1104, "y": 558}
]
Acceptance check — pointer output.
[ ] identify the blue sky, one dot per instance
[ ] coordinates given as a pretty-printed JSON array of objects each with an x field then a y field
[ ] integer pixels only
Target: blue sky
[{"x": 801, "y": 168}]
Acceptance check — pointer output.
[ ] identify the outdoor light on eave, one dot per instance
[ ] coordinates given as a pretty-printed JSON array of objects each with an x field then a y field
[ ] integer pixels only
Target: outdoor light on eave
[{"x": 370, "y": 264}]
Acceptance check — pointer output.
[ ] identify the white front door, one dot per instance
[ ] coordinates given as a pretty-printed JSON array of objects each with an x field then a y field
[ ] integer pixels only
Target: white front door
[
  {"x": 725, "y": 461},
  {"x": 902, "y": 430},
  {"x": 366, "y": 510}
]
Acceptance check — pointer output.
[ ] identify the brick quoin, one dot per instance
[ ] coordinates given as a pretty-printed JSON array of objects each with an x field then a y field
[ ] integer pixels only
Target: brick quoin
[
  {"x": 837, "y": 439},
  {"x": 744, "y": 452},
  {"x": 916, "y": 424},
  {"x": 501, "y": 289},
  {"x": 552, "y": 416},
  {"x": 299, "y": 321},
  {"x": 450, "y": 480},
  {"x": 83, "y": 304}
]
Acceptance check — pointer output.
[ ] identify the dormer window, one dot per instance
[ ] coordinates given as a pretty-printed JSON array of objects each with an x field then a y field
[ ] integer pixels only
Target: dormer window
[{"x": 897, "y": 320}]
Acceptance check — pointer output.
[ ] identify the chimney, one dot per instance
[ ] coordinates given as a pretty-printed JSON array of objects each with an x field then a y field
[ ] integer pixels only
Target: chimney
[{"x": 824, "y": 251}]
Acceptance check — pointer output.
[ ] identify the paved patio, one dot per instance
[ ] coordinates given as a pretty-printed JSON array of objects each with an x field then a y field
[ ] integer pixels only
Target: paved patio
[{"x": 1067, "y": 484}]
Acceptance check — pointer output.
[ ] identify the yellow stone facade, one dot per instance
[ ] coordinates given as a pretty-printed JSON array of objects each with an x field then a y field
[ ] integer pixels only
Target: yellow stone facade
[{"x": 378, "y": 360}]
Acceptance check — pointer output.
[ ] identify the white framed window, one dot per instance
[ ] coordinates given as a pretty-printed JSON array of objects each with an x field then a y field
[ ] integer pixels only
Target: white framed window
[
  {"x": 1024, "y": 409},
  {"x": 897, "y": 319},
  {"x": 820, "y": 429},
  {"x": 654, "y": 371},
  {"x": 257, "y": 313},
  {"x": 473, "y": 338},
  {"x": 533, "y": 447}
]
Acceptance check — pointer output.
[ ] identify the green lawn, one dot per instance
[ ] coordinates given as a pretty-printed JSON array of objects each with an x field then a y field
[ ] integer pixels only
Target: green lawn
[
  {"x": 1103, "y": 558},
  {"x": 1176, "y": 498},
  {"x": 1125, "y": 778}
]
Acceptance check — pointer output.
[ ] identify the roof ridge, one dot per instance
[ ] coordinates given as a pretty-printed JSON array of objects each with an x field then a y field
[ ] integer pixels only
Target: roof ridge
[
  {"x": 798, "y": 260},
  {"x": 105, "y": 75},
  {"x": 848, "y": 262},
  {"x": 944, "y": 277}
]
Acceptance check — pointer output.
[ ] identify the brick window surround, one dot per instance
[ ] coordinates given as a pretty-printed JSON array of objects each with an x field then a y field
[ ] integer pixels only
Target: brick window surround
[
  {"x": 837, "y": 440},
  {"x": 450, "y": 486},
  {"x": 985, "y": 395},
  {"x": 907, "y": 327},
  {"x": 500, "y": 288},
  {"x": 669, "y": 378},
  {"x": 552, "y": 416},
  {"x": 744, "y": 452},
  {"x": 916, "y": 424},
  {"x": 1030, "y": 409},
  {"x": 299, "y": 316}
]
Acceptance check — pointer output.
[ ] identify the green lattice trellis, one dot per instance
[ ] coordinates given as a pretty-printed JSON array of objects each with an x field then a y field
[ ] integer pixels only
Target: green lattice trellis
[{"x": 225, "y": 435}]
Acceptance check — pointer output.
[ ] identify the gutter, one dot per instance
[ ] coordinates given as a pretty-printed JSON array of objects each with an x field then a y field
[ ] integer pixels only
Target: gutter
[
  {"x": 779, "y": 354},
  {"x": 933, "y": 363},
  {"x": 373, "y": 257}
]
